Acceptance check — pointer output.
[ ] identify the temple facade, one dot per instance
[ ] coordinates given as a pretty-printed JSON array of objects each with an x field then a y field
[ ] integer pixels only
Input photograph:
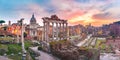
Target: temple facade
[{"x": 59, "y": 28}]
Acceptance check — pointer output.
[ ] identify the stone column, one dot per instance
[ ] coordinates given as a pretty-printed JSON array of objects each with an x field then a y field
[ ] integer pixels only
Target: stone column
[
  {"x": 18, "y": 38},
  {"x": 43, "y": 34},
  {"x": 47, "y": 31},
  {"x": 52, "y": 30},
  {"x": 60, "y": 30},
  {"x": 63, "y": 31},
  {"x": 44, "y": 31},
  {"x": 66, "y": 31},
  {"x": 57, "y": 30}
]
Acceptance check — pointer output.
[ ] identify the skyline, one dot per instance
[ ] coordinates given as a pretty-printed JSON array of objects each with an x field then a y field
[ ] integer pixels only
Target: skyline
[{"x": 96, "y": 12}]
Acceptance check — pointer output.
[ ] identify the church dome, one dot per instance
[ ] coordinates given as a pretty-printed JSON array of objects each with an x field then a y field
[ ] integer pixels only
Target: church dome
[{"x": 33, "y": 20}]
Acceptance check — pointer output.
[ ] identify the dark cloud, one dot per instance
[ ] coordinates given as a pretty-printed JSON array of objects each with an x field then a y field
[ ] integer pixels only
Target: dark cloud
[
  {"x": 103, "y": 16},
  {"x": 106, "y": 7},
  {"x": 50, "y": 10},
  {"x": 83, "y": 1},
  {"x": 102, "y": 0}
]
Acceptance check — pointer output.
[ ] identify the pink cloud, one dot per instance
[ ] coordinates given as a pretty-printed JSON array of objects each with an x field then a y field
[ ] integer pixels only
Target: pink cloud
[{"x": 65, "y": 9}]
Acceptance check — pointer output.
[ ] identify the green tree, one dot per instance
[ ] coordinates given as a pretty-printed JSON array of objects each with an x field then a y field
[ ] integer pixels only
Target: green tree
[{"x": 1, "y": 22}]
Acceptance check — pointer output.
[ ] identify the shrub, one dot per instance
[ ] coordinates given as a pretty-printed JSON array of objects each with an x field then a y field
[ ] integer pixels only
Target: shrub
[
  {"x": 39, "y": 48},
  {"x": 35, "y": 44},
  {"x": 28, "y": 44},
  {"x": 2, "y": 51}
]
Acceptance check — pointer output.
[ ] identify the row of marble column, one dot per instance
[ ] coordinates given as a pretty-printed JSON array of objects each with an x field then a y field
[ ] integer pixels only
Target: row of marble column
[{"x": 60, "y": 27}]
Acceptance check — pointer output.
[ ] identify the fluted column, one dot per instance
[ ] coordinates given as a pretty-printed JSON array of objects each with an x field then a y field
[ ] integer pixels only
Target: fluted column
[
  {"x": 44, "y": 31},
  {"x": 57, "y": 30},
  {"x": 52, "y": 31},
  {"x": 60, "y": 30},
  {"x": 63, "y": 31},
  {"x": 66, "y": 31},
  {"x": 47, "y": 31}
]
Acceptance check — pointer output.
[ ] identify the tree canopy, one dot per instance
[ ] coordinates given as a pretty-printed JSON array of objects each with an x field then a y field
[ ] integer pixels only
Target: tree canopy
[{"x": 2, "y": 21}]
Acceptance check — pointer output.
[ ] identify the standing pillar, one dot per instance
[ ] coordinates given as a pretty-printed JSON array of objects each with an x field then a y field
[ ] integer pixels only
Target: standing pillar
[
  {"x": 52, "y": 30},
  {"x": 42, "y": 34},
  {"x": 66, "y": 30},
  {"x": 47, "y": 31},
  {"x": 44, "y": 31},
  {"x": 63, "y": 31},
  {"x": 47, "y": 36},
  {"x": 57, "y": 31},
  {"x": 60, "y": 30},
  {"x": 18, "y": 38}
]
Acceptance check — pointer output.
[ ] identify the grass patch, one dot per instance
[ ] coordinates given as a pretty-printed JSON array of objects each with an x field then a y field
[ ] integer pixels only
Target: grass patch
[
  {"x": 3, "y": 46},
  {"x": 14, "y": 49},
  {"x": 11, "y": 49},
  {"x": 15, "y": 57}
]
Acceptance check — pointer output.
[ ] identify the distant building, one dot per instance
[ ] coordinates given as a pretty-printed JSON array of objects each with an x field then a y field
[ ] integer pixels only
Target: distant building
[
  {"x": 76, "y": 30},
  {"x": 14, "y": 28},
  {"x": 115, "y": 30},
  {"x": 6, "y": 33},
  {"x": 90, "y": 29}
]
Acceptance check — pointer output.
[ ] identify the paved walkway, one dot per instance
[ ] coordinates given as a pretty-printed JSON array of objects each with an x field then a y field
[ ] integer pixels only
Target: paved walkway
[
  {"x": 84, "y": 41},
  {"x": 4, "y": 58},
  {"x": 109, "y": 56},
  {"x": 43, "y": 55}
]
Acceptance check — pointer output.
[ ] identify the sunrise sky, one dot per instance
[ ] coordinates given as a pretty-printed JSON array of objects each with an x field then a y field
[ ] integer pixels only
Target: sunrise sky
[{"x": 96, "y": 12}]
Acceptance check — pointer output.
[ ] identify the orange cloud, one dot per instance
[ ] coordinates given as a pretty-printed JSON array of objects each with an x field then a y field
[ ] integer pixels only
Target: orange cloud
[
  {"x": 93, "y": 22},
  {"x": 88, "y": 18},
  {"x": 101, "y": 22}
]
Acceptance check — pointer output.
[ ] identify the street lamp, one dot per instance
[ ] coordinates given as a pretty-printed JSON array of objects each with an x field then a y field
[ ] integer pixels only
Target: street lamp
[{"x": 22, "y": 39}]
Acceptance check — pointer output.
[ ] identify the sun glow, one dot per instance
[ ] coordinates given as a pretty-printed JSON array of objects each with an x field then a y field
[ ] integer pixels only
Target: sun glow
[{"x": 86, "y": 19}]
